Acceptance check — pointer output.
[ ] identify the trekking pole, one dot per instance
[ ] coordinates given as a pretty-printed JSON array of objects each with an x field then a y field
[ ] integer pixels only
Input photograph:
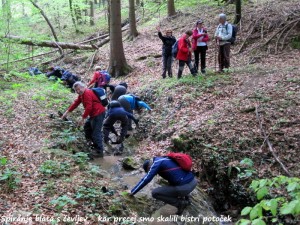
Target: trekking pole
[{"x": 216, "y": 48}]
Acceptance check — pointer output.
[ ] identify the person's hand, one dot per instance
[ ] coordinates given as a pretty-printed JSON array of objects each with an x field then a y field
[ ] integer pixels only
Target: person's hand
[
  {"x": 158, "y": 28},
  {"x": 81, "y": 122},
  {"x": 219, "y": 38},
  {"x": 64, "y": 115},
  {"x": 191, "y": 50}
]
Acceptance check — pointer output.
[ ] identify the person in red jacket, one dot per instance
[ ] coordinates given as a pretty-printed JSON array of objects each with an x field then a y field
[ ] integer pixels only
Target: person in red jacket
[
  {"x": 199, "y": 42},
  {"x": 92, "y": 116},
  {"x": 98, "y": 79},
  {"x": 184, "y": 54}
]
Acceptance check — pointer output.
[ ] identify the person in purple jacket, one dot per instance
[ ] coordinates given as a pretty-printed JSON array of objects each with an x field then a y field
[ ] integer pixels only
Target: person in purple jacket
[{"x": 181, "y": 182}]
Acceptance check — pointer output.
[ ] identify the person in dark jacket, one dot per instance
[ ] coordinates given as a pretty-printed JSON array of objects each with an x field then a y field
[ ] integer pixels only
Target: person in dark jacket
[
  {"x": 116, "y": 113},
  {"x": 56, "y": 72},
  {"x": 69, "y": 79},
  {"x": 118, "y": 90},
  {"x": 181, "y": 182},
  {"x": 93, "y": 114},
  {"x": 168, "y": 41},
  {"x": 130, "y": 103},
  {"x": 184, "y": 54}
]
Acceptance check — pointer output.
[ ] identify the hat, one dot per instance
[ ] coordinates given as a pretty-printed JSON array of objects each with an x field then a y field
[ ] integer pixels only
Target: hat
[
  {"x": 199, "y": 21},
  {"x": 97, "y": 68},
  {"x": 146, "y": 165}
]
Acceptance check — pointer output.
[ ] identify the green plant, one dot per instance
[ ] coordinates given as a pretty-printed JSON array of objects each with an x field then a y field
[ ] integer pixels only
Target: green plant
[
  {"x": 245, "y": 168},
  {"x": 62, "y": 201},
  {"x": 9, "y": 177},
  {"x": 277, "y": 198},
  {"x": 49, "y": 188},
  {"x": 53, "y": 168},
  {"x": 81, "y": 159}
]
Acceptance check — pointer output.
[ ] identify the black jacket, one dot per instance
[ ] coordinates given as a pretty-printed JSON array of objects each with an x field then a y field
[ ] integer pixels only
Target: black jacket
[{"x": 168, "y": 42}]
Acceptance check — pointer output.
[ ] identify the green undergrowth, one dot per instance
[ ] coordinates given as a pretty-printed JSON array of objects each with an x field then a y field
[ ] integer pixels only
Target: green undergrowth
[{"x": 17, "y": 87}]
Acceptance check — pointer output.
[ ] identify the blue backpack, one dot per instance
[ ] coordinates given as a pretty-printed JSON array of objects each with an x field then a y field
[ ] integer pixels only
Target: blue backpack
[
  {"x": 100, "y": 92},
  {"x": 106, "y": 76},
  {"x": 175, "y": 49},
  {"x": 234, "y": 31}
]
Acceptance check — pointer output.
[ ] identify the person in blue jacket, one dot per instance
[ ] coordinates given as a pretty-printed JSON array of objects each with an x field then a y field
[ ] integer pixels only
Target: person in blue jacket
[
  {"x": 116, "y": 113},
  {"x": 181, "y": 182},
  {"x": 131, "y": 102},
  {"x": 56, "y": 72}
]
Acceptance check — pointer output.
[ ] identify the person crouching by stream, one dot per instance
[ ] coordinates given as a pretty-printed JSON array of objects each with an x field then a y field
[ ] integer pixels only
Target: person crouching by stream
[
  {"x": 181, "y": 182},
  {"x": 92, "y": 116}
]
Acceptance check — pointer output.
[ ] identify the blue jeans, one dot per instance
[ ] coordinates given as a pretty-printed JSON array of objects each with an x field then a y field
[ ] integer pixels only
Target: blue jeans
[{"x": 96, "y": 128}]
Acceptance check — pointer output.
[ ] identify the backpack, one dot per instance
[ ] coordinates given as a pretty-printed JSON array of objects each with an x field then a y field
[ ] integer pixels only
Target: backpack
[
  {"x": 107, "y": 76},
  {"x": 233, "y": 36},
  {"x": 183, "y": 160},
  {"x": 136, "y": 100},
  {"x": 175, "y": 49},
  {"x": 100, "y": 92}
]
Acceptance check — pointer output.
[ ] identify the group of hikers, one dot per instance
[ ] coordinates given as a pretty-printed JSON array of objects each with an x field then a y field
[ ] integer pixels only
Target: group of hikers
[
  {"x": 100, "y": 116},
  {"x": 195, "y": 41}
]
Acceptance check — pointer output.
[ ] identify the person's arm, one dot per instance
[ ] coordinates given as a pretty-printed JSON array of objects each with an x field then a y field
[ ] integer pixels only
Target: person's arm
[
  {"x": 196, "y": 35},
  {"x": 130, "y": 116},
  {"x": 161, "y": 37},
  {"x": 144, "y": 105},
  {"x": 90, "y": 84},
  {"x": 74, "y": 105},
  {"x": 147, "y": 178},
  {"x": 205, "y": 38}
]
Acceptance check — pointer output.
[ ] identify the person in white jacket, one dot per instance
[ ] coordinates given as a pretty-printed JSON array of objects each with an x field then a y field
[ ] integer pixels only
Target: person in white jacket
[{"x": 223, "y": 35}]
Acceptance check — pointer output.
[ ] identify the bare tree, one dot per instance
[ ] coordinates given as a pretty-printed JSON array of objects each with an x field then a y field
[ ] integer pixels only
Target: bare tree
[
  {"x": 46, "y": 18},
  {"x": 117, "y": 64},
  {"x": 238, "y": 11},
  {"x": 132, "y": 21},
  {"x": 171, "y": 8}
]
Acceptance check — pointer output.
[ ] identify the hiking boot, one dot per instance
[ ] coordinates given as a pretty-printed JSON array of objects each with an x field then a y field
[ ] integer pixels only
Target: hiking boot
[
  {"x": 170, "y": 75},
  {"x": 97, "y": 154},
  {"x": 203, "y": 71},
  {"x": 181, "y": 206}
]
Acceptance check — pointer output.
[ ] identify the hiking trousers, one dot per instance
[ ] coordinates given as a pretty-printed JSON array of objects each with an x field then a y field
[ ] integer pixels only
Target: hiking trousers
[
  {"x": 167, "y": 65},
  {"x": 181, "y": 67},
  {"x": 93, "y": 130},
  {"x": 200, "y": 51},
  {"x": 224, "y": 56},
  {"x": 173, "y": 194}
]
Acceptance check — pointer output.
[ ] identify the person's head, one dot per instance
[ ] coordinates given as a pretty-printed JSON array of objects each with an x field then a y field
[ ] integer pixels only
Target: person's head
[
  {"x": 97, "y": 68},
  {"x": 79, "y": 87},
  {"x": 169, "y": 32},
  {"x": 199, "y": 24},
  {"x": 188, "y": 33},
  {"x": 51, "y": 68},
  {"x": 222, "y": 18},
  {"x": 124, "y": 84},
  {"x": 146, "y": 165},
  {"x": 114, "y": 104}
]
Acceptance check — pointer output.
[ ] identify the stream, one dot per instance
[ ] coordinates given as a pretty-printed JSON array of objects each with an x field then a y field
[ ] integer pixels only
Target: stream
[{"x": 199, "y": 212}]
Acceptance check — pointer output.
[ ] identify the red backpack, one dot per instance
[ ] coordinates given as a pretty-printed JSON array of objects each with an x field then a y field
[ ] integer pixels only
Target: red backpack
[{"x": 183, "y": 160}]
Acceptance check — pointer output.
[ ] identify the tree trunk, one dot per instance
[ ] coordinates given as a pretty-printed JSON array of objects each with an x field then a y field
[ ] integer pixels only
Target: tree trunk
[
  {"x": 50, "y": 44},
  {"x": 132, "y": 21},
  {"x": 73, "y": 16},
  {"x": 78, "y": 15},
  {"x": 95, "y": 1},
  {"x": 238, "y": 11},
  {"x": 92, "y": 23},
  {"x": 171, "y": 8},
  {"x": 117, "y": 64},
  {"x": 108, "y": 15}
]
